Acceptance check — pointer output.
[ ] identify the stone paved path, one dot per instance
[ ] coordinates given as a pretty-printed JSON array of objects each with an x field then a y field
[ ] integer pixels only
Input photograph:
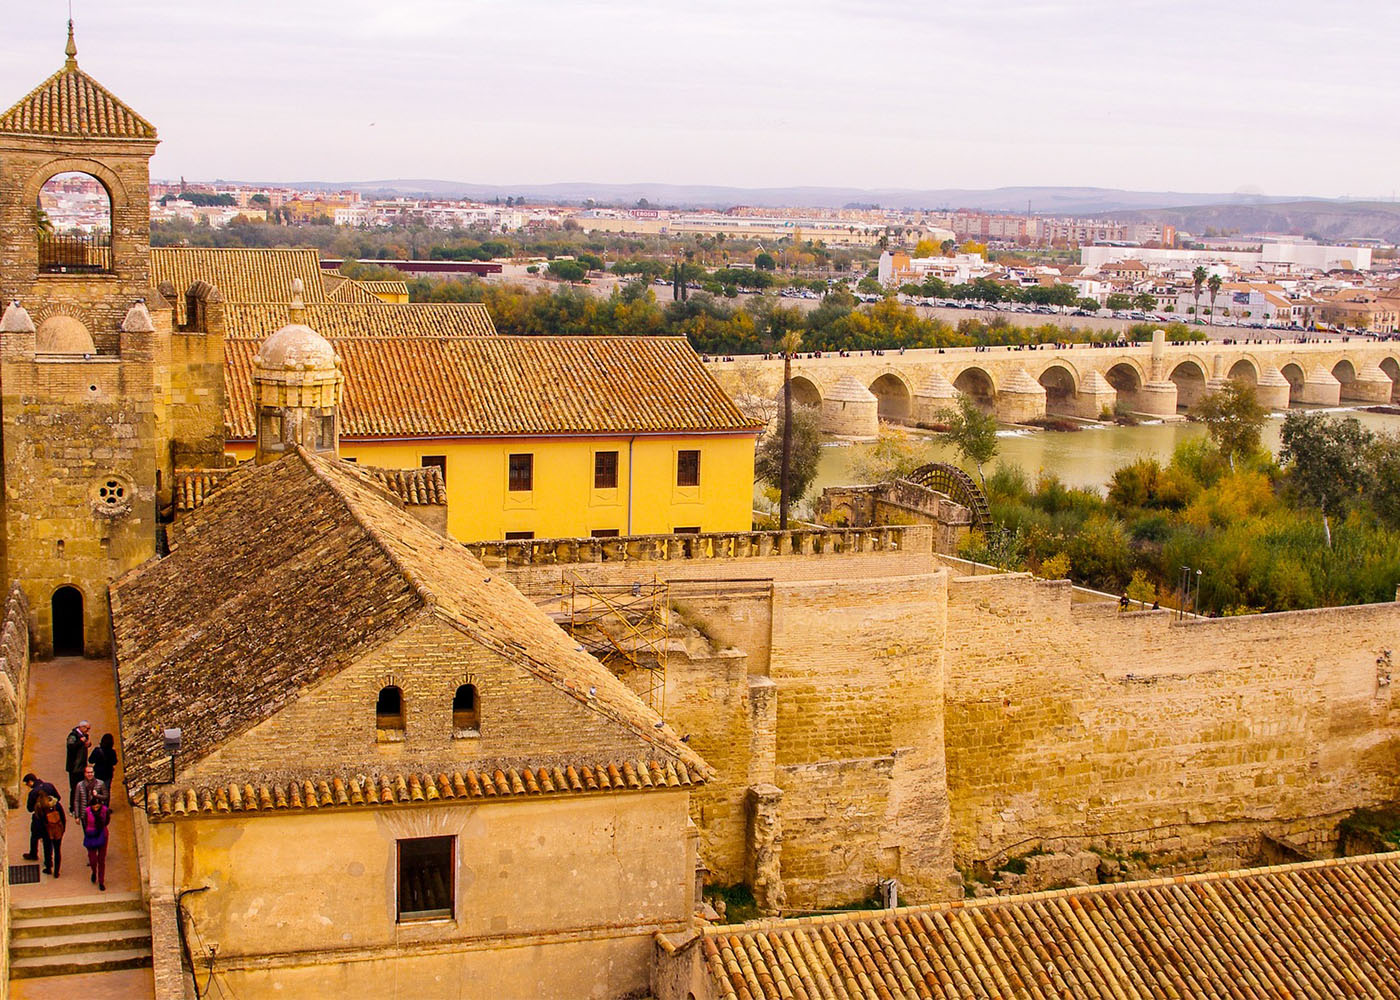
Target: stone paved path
[{"x": 63, "y": 692}]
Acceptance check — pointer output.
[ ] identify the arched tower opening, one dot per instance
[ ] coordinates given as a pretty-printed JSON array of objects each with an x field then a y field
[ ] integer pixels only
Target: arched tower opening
[{"x": 73, "y": 225}]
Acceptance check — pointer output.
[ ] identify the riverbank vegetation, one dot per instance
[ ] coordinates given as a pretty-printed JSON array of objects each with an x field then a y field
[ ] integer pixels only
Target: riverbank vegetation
[{"x": 1256, "y": 530}]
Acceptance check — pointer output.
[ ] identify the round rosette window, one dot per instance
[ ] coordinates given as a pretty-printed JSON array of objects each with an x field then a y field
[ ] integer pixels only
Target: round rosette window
[{"x": 111, "y": 496}]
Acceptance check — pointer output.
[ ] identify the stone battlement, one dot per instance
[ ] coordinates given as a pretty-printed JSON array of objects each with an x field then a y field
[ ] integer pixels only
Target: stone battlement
[{"x": 718, "y": 545}]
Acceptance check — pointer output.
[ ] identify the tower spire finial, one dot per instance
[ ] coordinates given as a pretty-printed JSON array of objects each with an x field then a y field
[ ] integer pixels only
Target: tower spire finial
[{"x": 71, "y": 49}]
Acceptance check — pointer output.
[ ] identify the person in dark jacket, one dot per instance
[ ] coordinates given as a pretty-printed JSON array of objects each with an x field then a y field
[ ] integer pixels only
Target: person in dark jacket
[
  {"x": 48, "y": 820},
  {"x": 37, "y": 787},
  {"x": 104, "y": 760},
  {"x": 78, "y": 746}
]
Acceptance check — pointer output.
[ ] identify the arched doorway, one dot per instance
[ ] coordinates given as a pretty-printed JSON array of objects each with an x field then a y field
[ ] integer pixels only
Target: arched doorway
[{"x": 67, "y": 621}]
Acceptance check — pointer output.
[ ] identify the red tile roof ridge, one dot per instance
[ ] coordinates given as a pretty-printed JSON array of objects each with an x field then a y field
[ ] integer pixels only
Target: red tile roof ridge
[
  {"x": 372, "y": 530},
  {"x": 767, "y": 924}
]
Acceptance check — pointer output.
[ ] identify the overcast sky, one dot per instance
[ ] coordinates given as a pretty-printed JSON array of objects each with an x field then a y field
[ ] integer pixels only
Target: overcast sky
[{"x": 1277, "y": 98}]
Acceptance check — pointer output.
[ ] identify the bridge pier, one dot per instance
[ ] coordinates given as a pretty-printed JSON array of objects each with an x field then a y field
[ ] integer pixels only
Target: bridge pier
[
  {"x": 1095, "y": 396},
  {"x": 1021, "y": 399},
  {"x": 1320, "y": 388},
  {"x": 1272, "y": 390},
  {"x": 1371, "y": 385},
  {"x": 1156, "y": 399},
  {"x": 935, "y": 393},
  {"x": 851, "y": 410}
]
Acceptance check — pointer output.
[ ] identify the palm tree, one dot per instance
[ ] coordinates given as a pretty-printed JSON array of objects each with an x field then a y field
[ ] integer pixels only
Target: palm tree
[
  {"x": 1198, "y": 278},
  {"x": 1214, "y": 285}
]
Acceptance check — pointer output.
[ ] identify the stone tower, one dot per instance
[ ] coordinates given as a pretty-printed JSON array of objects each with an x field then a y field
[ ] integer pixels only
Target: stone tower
[
  {"x": 296, "y": 388},
  {"x": 82, "y": 361}
]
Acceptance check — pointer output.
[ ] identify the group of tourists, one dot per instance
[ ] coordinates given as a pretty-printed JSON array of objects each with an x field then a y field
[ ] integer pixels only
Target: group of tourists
[{"x": 90, "y": 771}]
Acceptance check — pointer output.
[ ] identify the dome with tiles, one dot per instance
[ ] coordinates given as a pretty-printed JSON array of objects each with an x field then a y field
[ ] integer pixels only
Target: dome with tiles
[{"x": 296, "y": 347}]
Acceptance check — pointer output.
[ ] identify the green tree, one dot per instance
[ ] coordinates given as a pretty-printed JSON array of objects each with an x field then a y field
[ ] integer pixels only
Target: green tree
[
  {"x": 870, "y": 286},
  {"x": 1325, "y": 460},
  {"x": 566, "y": 270},
  {"x": 1145, "y": 301},
  {"x": 1233, "y": 419},
  {"x": 1119, "y": 300},
  {"x": 1198, "y": 280},
  {"x": 806, "y": 443},
  {"x": 971, "y": 431},
  {"x": 1213, "y": 284},
  {"x": 765, "y": 262},
  {"x": 1092, "y": 305}
]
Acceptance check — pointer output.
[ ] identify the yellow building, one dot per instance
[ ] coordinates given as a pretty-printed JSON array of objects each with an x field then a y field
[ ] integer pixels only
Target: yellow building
[{"x": 539, "y": 437}]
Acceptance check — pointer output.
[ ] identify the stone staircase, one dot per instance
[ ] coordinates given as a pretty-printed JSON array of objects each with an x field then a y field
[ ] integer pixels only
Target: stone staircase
[{"x": 94, "y": 934}]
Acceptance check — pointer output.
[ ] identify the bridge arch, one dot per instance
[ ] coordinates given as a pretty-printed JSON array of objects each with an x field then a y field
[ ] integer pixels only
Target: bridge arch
[
  {"x": 1244, "y": 370},
  {"x": 1344, "y": 371},
  {"x": 895, "y": 399},
  {"x": 1392, "y": 368},
  {"x": 1190, "y": 379},
  {"x": 805, "y": 392},
  {"x": 1293, "y": 371},
  {"x": 975, "y": 383},
  {"x": 1125, "y": 376},
  {"x": 1061, "y": 386}
]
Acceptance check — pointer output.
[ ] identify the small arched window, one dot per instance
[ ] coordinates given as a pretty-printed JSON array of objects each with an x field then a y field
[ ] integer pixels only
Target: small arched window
[
  {"x": 388, "y": 710},
  {"x": 466, "y": 709}
]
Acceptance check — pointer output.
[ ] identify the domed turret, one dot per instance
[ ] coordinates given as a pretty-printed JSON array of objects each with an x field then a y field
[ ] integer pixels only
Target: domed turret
[{"x": 296, "y": 384}]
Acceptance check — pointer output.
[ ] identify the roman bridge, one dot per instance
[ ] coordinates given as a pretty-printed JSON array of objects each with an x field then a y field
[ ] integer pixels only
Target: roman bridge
[{"x": 1020, "y": 384}]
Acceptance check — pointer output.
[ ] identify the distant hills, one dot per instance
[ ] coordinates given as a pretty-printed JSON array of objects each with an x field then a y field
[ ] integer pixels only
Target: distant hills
[
  {"x": 1191, "y": 211},
  {"x": 1054, "y": 200},
  {"x": 1326, "y": 220}
]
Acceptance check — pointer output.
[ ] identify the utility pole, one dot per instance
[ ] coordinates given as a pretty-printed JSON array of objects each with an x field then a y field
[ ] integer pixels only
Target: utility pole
[{"x": 791, "y": 341}]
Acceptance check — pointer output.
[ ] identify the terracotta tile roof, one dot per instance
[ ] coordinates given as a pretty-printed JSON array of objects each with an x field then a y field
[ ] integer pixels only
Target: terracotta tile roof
[
  {"x": 256, "y": 320},
  {"x": 415, "y": 487},
  {"x": 240, "y": 274},
  {"x": 1321, "y": 929},
  {"x": 347, "y": 290},
  {"x": 193, "y": 486},
  {"x": 71, "y": 103},
  {"x": 391, "y": 287},
  {"x": 208, "y": 639},
  {"x": 444, "y": 387},
  {"x": 396, "y": 788}
]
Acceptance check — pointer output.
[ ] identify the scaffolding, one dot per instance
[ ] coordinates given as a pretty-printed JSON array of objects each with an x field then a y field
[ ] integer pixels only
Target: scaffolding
[{"x": 627, "y": 627}]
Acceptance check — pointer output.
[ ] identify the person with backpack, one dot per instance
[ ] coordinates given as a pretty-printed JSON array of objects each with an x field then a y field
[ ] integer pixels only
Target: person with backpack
[
  {"x": 38, "y": 789},
  {"x": 48, "y": 810},
  {"x": 96, "y": 819}
]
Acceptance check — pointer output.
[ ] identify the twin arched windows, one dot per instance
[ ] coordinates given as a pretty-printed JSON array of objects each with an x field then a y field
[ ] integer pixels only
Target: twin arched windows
[{"x": 390, "y": 718}]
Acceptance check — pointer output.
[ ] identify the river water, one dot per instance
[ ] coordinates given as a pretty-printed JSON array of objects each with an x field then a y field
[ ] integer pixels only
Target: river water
[{"x": 1086, "y": 458}]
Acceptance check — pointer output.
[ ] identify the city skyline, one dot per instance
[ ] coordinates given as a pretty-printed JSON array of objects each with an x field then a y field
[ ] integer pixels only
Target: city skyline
[{"x": 1127, "y": 96}]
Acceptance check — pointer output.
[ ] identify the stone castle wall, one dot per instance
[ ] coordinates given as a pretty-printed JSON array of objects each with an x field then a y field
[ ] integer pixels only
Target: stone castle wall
[{"x": 1077, "y": 724}]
